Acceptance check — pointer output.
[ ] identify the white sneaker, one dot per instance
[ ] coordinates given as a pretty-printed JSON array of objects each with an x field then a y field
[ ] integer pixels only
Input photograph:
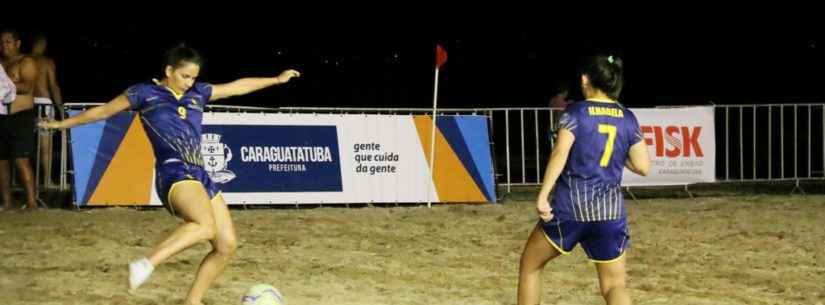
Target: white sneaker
[{"x": 139, "y": 272}]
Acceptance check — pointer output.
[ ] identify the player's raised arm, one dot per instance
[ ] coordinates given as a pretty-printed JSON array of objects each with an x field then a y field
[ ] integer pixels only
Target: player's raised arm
[
  {"x": 250, "y": 84},
  {"x": 102, "y": 112}
]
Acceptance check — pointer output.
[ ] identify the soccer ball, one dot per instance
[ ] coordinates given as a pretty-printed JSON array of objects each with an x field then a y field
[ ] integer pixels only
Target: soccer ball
[{"x": 262, "y": 294}]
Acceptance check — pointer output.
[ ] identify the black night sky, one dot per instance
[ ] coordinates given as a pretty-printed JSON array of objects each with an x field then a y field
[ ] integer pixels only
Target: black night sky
[{"x": 392, "y": 65}]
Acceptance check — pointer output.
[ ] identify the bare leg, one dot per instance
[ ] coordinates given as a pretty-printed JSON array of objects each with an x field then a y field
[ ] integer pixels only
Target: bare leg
[
  {"x": 46, "y": 159},
  {"x": 613, "y": 282},
  {"x": 26, "y": 175},
  {"x": 5, "y": 184},
  {"x": 190, "y": 201},
  {"x": 223, "y": 248},
  {"x": 537, "y": 252}
]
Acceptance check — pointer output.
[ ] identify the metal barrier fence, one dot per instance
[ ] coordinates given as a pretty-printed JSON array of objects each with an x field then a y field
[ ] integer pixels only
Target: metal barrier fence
[{"x": 770, "y": 142}]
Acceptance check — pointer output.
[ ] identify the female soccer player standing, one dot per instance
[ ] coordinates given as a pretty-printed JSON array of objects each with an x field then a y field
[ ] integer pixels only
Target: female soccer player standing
[{"x": 597, "y": 138}]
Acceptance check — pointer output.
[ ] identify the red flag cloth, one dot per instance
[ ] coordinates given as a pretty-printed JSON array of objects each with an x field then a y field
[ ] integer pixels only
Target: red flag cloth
[{"x": 440, "y": 56}]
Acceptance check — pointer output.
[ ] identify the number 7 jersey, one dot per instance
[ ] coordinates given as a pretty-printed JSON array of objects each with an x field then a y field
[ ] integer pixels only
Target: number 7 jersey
[{"x": 588, "y": 189}]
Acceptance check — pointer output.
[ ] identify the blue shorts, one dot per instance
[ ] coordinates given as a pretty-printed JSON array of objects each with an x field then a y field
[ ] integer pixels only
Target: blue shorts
[
  {"x": 170, "y": 174},
  {"x": 602, "y": 241}
]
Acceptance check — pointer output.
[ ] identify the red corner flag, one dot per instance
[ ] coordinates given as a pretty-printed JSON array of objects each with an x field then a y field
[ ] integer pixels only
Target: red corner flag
[{"x": 440, "y": 56}]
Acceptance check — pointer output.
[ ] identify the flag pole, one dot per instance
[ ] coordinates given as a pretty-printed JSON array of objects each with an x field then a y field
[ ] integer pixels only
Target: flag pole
[
  {"x": 440, "y": 59},
  {"x": 432, "y": 137}
]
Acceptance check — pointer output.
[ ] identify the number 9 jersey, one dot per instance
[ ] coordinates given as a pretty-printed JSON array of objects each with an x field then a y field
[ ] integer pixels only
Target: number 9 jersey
[{"x": 172, "y": 122}]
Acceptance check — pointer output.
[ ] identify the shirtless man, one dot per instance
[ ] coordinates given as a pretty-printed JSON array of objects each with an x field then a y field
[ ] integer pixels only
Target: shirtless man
[
  {"x": 17, "y": 128},
  {"x": 48, "y": 98}
]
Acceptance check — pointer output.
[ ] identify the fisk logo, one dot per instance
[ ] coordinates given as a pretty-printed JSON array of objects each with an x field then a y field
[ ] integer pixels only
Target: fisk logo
[{"x": 683, "y": 140}]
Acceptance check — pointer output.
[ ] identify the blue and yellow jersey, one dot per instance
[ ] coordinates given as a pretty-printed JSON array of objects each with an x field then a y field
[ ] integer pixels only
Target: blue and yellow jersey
[
  {"x": 172, "y": 122},
  {"x": 588, "y": 188}
]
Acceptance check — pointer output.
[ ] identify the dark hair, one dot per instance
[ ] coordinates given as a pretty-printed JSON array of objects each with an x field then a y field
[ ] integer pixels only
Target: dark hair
[
  {"x": 176, "y": 56},
  {"x": 562, "y": 87},
  {"x": 14, "y": 33},
  {"x": 605, "y": 73},
  {"x": 37, "y": 36}
]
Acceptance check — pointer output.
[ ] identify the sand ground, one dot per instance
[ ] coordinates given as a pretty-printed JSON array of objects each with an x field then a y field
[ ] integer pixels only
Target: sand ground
[{"x": 764, "y": 249}]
